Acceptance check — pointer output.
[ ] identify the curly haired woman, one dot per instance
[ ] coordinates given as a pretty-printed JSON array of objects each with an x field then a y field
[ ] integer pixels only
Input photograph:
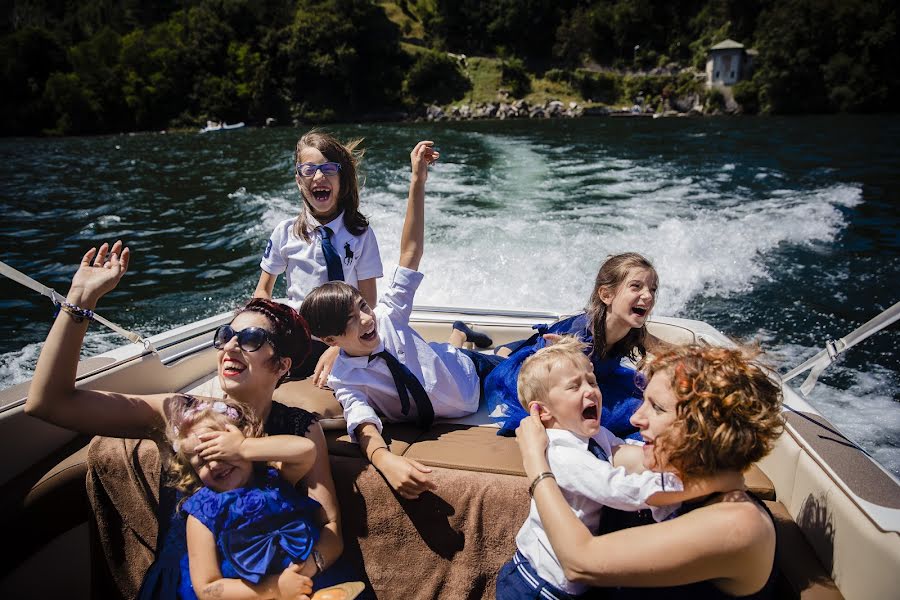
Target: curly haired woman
[{"x": 706, "y": 412}]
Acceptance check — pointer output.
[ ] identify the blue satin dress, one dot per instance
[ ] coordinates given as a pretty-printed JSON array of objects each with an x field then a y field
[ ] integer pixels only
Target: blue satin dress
[
  {"x": 260, "y": 529},
  {"x": 621, "y": 396},
  {"x": 163, "y": 580}
]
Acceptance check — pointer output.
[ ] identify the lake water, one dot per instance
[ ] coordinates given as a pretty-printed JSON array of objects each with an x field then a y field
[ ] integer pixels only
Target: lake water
[{"x": 785, "y": 230}]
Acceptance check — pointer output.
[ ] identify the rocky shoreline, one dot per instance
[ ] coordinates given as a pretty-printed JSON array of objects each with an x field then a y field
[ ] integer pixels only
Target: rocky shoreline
[{"x": 555, "y": 109}]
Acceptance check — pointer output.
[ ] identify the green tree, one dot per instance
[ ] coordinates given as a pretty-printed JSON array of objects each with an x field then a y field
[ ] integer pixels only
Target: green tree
[
  {"x": 435, "y": 77},
  {"x": 28, "y": 58},
  {"x": 77, "y": 108},
  {"x": 514, "y": 75},
  {"x": 575, "y": 37},
  {"x": 342, "y": 55},
  {"x": 746, "y": 93},
  {"x": 827, "y": 55}
]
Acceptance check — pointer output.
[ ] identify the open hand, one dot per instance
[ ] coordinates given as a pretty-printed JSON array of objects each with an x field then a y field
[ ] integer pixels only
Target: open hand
[
  {"x": 220, "y": 445},
  {"x": 99, "y": 272}
]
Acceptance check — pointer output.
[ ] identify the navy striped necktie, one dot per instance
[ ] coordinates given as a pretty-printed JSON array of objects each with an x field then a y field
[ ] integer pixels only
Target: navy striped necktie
[
  {"x": 596, "y": 450},
  {"x": 405, "y": 380},
  {"x": 332, "y": 258}
]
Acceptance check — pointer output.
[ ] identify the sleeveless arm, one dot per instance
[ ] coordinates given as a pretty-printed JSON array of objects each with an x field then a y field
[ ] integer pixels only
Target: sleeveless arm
[
  {"x": 732, "y": 543},
  {"x": 321, "y": 488}
]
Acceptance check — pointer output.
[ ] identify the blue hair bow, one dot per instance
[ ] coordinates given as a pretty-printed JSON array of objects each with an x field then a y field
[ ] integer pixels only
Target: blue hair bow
[{"x": 252, "y": 550}]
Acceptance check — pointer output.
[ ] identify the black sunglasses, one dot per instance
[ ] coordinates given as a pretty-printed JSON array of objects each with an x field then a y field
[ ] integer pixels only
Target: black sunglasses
[{"x": 250, "y": 339}]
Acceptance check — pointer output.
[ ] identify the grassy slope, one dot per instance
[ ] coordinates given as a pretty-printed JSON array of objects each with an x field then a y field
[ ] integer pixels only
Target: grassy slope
[{"x": 484, "y": 72}]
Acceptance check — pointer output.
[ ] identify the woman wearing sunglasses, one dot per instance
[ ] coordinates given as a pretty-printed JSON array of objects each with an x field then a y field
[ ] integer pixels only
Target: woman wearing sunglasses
[
  {"x": 255, "y": 353},
  {"x": 330, "y": 240}
]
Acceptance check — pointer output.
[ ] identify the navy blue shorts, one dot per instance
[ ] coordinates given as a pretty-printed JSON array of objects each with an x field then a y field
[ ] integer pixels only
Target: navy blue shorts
[
  {"x": 517, "y": 580},
  {"x": 484, "y": 364}
]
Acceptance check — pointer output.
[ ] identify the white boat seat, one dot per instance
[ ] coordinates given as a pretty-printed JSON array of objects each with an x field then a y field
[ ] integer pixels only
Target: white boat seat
[{"x": 800, "y": 574}]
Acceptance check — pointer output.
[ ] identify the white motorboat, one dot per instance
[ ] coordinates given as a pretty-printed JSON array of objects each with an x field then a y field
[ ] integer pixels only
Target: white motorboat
[
  {"x": 214, "y": 126},
  {"x": 838, "y": 512}
]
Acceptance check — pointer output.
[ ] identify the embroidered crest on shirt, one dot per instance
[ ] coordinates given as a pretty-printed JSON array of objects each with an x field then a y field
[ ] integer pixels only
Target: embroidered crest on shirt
[
  {"x": 268, "y": 249},
  {"x": 348, "y": 254}
]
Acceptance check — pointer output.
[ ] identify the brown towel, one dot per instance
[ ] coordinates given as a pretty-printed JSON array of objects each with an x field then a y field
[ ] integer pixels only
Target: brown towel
[
  {"x": 123, "y": 488},
  {"x": 449, "y": 544}
]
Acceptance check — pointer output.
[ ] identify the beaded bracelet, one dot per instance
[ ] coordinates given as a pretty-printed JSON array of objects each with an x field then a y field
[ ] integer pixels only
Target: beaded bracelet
[
  {"x": 76, "y": 312},
  {"x": 537, "y": 480}
]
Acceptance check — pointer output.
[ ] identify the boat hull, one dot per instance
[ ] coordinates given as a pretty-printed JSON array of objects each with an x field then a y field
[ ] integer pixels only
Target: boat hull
[{"x": 840, "y": 512}]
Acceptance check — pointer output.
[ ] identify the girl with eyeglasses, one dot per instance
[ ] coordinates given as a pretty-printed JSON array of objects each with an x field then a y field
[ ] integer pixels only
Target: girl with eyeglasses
[
  {"x": 330, "y": 240},
  {"x": 255, "y": 354}
]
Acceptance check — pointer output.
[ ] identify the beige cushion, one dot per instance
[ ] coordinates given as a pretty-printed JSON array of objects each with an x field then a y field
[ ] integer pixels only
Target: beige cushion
[
  {"x": 398, "y": 436},
  {"x": 467, "y": 448},
  {"x": 306, "y": 395},
  {"x": 758, "y": 483},
  {"x": 800, "y": 574}
]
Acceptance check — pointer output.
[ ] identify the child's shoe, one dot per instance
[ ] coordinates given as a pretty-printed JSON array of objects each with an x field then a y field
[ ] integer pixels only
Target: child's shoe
[{"x": 482, "y": 340}]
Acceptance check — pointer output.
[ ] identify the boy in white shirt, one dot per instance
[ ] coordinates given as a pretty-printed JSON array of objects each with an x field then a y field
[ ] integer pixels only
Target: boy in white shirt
[
  {"x": 385, "y": 369},
  {"x": 588, "y": 463}
]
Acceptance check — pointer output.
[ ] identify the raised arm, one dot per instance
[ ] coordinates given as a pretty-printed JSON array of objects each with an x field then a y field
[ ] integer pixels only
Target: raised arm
[
  {"x": 53, "y": 396},
  {"x": 413, "y": 238}
]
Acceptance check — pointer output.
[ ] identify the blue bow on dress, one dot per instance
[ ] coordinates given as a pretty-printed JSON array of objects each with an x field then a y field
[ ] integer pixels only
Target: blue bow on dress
[{"x": 253, "y": 549}]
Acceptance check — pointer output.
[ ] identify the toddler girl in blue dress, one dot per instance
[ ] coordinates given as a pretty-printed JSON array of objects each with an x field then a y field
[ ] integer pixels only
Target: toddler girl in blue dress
[{"x": 250, "y": 533}]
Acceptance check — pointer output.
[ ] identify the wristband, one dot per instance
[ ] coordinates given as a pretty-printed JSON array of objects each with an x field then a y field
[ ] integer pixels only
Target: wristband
[
  {"x": 76, "y": 312},
  {"x": 372, "y": 456},
  {"x": 537, "y": 480}
]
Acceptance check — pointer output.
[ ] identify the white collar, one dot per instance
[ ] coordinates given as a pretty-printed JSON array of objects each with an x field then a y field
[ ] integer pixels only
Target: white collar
[
  {"x": 567, "y": 437},
  {"x": 360, "y": 362},
  {"x": 335, "y": 225}
]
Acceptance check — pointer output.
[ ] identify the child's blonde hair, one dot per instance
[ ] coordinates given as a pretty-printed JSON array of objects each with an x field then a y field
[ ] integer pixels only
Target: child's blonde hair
[
  {"x": 186, "y": 412},
  {"x": 533, "y": 383}
]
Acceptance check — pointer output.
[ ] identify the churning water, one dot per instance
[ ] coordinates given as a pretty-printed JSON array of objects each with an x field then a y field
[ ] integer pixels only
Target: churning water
[{"x": 781, "y": 230}]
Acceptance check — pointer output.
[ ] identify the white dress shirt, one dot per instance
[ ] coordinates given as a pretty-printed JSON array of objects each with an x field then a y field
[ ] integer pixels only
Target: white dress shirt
[
  {"x": 366, "y": 390},
  {"x": 304, "y": 263},
  {"x": 588, "y": 484}
]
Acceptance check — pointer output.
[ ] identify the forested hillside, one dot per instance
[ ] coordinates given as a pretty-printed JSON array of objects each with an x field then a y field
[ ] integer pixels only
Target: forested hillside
[{"x": 96, "y": 66}]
